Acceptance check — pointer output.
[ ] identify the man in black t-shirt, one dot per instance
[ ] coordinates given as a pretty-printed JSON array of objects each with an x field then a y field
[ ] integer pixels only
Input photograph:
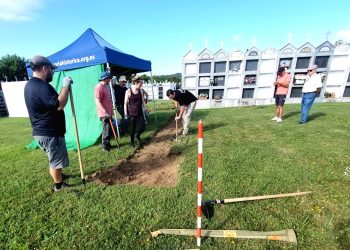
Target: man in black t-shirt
[
  {"x": 45, "y": 109},
  {"x": 119, "y": 93},
  {"x": 187, "y": 102}
]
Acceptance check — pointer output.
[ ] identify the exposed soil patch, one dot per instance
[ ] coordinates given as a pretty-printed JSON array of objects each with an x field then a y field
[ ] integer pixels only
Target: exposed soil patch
[{"x": 151, "y": 165}]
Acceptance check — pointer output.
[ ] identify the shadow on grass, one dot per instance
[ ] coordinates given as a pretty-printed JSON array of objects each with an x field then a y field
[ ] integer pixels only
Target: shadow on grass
[
  {"x": 290, "y": 114},
  {"x": 343, "y": 231},
  {"x": 316, "y": 115}
]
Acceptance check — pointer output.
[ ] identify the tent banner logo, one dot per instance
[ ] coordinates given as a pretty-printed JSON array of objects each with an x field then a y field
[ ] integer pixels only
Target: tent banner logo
[{"x": 75, "y": 60}]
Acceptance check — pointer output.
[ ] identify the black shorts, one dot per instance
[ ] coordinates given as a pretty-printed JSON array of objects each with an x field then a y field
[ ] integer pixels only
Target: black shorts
[{"x": 280, "y": 99}]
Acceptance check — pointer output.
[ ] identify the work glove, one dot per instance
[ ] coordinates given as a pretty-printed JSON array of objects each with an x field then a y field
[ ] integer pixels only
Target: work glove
[
  {"x": 126, "y": 117},
  {"x": 177, "y": 118},
  {"x": 67, "y": 81}
]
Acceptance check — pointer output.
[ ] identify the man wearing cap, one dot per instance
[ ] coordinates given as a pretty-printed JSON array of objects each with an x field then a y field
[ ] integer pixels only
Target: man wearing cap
[
  {"x": 312, "y": 86},
  {"x": 119, "y": 93},
  {"x": 187, "y": 102},
  {"x": 45, "y": 109},
  {"x": 104, "y": 108}
]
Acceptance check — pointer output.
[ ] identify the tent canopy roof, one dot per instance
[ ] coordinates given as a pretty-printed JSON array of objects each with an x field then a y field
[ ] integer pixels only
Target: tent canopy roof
[{"x": 91, "y": 49}]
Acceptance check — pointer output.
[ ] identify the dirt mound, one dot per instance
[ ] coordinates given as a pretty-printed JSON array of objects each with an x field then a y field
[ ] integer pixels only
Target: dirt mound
[{"x": 151, "y": 165}]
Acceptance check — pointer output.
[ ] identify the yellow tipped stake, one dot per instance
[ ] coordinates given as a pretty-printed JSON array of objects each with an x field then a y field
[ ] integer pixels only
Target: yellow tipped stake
[{"x": 287, "y": 235}]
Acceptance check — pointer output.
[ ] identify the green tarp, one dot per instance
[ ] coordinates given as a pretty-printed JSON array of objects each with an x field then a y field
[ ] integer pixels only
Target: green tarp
[{"x": 89, "y": 125}]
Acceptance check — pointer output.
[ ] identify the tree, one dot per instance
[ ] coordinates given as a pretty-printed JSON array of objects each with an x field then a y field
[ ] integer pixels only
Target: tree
[
  {"x": 146, "y": 78},
  {"x": 12, "y": 68}
]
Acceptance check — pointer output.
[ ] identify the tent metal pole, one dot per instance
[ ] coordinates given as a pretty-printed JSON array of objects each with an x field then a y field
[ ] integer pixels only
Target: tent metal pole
[
  {"x": 154, "y": 102},
  {"x": 113, "y": 102}
]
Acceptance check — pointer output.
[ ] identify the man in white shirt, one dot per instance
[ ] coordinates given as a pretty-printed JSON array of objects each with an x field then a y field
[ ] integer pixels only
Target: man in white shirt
[{"x": 312, "y": 86}]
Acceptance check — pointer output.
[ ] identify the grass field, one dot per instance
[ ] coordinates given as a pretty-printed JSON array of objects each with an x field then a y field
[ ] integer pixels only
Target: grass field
[{"x": 245, "y": 154}]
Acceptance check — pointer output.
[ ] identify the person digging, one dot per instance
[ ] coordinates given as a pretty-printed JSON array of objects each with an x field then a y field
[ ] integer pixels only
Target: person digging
[{"x": 187, "y": 102}]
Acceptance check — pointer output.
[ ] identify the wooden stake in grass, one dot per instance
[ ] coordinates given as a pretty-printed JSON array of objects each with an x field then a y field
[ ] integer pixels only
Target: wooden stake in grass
[
  {"x": 287, "y": 235},
  {"x": 199, "y": 185},
  {"x": 77, "y": 138}
]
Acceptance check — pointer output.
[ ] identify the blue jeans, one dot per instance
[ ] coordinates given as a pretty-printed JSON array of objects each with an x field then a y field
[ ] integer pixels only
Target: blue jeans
[{"x": 306, "y": 103}]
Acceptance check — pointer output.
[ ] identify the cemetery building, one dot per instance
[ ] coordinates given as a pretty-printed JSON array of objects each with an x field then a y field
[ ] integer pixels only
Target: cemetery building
[{"x": 237, "y": 78}]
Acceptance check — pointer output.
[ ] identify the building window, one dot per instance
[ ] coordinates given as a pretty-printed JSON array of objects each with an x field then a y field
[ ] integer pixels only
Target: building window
[
  {"x": 204, "y": 81},
  {"x": 250, "y": 80},
  {"x": 203, "y": 94},
  {"x": 349, "y": 77},
  {"x": 219, "y": 81},
  {"x": 287, "y": 51},
  {"x": 296, "y": 92},
  {"x": 303, "y": 62},
  {"x": 205, "y": 56},
  {"x": 190, "y": 68},
  {"x": 204, "y": 67},
  {"x": 299, "y": 78},
  {"x": 306, "y": 50},
  {"x": 322, "y": 61},
  {"x": 248, "y": 93},
  {"x": 219, "y": 67},
  {"x": 346, "y": 91},
  {"x": 325, "y": 49},
  {"x": 253, "y": 53},
  {"x": 251, "y": 65},
  {"x": 218, "y": 94},
  {"x": 286, "y": 62},
  {"x": 235, "y": 66}
]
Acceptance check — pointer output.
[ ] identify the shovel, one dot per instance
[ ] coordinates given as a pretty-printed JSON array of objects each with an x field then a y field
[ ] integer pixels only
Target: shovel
[
  {"x": 115, "y": 136},
  {"x": 208, "y": 205}
]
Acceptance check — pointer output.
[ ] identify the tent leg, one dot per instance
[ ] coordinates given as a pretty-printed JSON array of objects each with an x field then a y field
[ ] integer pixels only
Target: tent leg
[
  {"x": 154, "y": 102},
  {"x": 114, "y": 108}
]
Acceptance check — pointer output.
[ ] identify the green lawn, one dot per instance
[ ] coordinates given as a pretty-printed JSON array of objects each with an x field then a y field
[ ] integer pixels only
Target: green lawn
[{"x": 245, "y": 154}]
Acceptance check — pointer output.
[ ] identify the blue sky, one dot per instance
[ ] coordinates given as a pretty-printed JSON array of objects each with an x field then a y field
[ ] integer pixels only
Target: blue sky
[{"x": 162, "y": 31}]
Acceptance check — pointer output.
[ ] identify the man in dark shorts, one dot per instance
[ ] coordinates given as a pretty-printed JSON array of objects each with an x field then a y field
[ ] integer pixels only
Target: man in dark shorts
[
  {"x": 187, "y": 102},
  {"x": 282, "y": 87},
  {"x": 45, "y": 109}
]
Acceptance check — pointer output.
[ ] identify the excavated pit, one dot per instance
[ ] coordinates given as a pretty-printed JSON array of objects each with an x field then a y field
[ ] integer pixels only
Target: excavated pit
[{"x": 152, "y": 165}]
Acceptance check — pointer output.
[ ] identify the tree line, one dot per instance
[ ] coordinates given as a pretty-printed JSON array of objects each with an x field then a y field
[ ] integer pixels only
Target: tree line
[{"x": 13, "y": 68}]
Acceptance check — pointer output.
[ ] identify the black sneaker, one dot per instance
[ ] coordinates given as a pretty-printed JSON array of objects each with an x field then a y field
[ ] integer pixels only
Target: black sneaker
[
  {"x": 106, "y": 150},
  {"x": 139, "y": 140},
  {"x": 65, "y": 177},
  {"x": 64, "y": 185}
]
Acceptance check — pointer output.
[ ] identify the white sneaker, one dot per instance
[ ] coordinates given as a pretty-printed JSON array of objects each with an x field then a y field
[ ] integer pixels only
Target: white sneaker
[
  {"x": 274, "y": 119},
  {"x": 279, "y": 120}
]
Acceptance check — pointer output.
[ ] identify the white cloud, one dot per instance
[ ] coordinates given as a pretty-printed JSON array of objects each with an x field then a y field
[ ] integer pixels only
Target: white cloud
[
  {"x": 19, "y": 10},
  {"x": 343, "y": 35},
  {"x": 236, "y": 38}
]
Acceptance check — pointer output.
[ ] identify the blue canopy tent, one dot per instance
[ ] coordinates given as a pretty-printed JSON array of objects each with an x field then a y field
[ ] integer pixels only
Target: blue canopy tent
[
  {"x": 91, "y": 49},
  {"x": 84, "y": 60}
]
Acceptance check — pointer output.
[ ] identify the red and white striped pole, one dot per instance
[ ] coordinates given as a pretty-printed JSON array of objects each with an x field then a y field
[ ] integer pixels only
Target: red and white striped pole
[{"x": 199, "y": 202}]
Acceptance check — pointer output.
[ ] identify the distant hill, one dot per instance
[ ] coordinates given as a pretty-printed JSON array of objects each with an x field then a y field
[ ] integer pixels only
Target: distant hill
[{"x": 162, "y": 78}]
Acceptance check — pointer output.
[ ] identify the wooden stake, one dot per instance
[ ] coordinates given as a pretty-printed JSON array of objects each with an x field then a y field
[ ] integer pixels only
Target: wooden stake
[{"x": 287, "y": 235}]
